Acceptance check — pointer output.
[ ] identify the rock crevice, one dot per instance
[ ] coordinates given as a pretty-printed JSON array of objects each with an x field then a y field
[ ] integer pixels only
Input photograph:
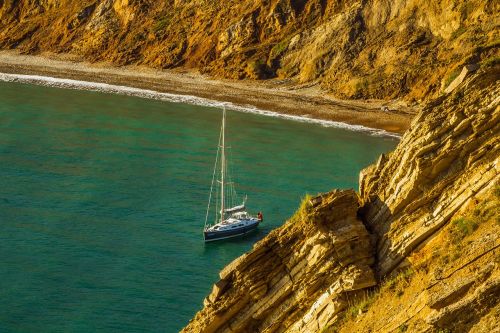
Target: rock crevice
[{"x": 315, "y": 270}]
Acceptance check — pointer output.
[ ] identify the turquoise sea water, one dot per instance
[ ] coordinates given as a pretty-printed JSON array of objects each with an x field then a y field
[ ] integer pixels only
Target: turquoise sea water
[{"x": 103, "y": 198}]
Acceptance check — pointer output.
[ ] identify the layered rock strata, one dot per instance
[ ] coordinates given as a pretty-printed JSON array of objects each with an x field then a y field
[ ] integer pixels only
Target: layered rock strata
[
  {"x": 431, "y": 208},
  {"x": 449, "y": 154},
  {"x": 299, "y": 277},
  {"x": 451, "y": 283}
]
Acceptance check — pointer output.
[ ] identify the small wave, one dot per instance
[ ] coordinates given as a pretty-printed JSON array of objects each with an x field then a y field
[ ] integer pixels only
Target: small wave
[{"x": 187, "y": 99}]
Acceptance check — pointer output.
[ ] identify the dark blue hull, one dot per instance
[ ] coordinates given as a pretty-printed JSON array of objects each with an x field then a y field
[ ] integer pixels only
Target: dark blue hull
[{"x": 218, "y": 235}]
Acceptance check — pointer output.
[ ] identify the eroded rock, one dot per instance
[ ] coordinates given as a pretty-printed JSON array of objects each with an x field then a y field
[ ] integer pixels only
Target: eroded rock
[
  {"x": 450, "y": 153},
  {"x": 298, "y": 276}
]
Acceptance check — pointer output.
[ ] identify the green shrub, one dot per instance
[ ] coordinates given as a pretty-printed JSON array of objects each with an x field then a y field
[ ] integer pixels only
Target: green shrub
[
  {"x": 453, "y": 75},
  {"x": 303, "y": 209},
  {"x": 403, "y": 280},
  {"x": 391, "y": 283},
  {"x": 257, "y": 67},
  {"x": 161, "y": 24},
  {"x": 327, "y": 329},
  {"x": 362, "y": 85},
  {"x": 279, "y": 48},
  {"x": 443, "y": 330},
  {"x": 466, "y": 9},
  {"x": 445, "y": 259},
  {"x": 457, "y": 252},
  {"x": 360, "y": 306},
  {"x": 457, "y": 33},
  {"x": 463, "y": 227},
  {"x": 496, "y": 191},
  {"x": 407, "y": 274},
  {"x": 490, "y": 62},
  {"x": 399, "y": 282},
  {"x": 403, "y": 328}
]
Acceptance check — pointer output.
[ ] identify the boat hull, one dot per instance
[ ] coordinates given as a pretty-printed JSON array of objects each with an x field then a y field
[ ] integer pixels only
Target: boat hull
[{"x": 225, "y": 234}]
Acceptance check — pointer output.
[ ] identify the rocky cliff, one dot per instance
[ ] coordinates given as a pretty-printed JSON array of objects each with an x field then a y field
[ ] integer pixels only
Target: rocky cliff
[
  {"x": 449, "y": 156},
  {"x": 299, "y": 276},
  {"x": 417, "y": 250},
  {"x": 409, "y": 49}
]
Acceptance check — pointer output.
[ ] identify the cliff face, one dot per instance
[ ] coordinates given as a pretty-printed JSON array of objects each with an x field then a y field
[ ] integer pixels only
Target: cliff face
[
  {"x": 418, "y": 251},
  {"x": 351, "y": 48},
  {"x": 434, "y": 206},
  {"x": 449, "y": 155},
  {"x": 298, "y": 277},
  {"x": 451, "y": 283}
]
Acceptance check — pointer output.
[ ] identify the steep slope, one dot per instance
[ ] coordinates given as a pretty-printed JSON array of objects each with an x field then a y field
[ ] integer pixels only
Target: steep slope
[
  {"x": 431, "y": 208},
  {"x": 300, "y": 275},
  {"x": 434, "y": 206},
  {"x": 351, "y": 48},
  {"x": 451, "y": 283},
  {"x": 449, "y": 155}
]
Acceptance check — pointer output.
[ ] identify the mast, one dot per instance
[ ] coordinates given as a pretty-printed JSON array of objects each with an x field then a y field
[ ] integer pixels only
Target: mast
[{"x": 223, "y": 163}]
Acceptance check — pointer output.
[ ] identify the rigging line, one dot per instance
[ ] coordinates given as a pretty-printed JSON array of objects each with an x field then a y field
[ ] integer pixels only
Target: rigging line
[
  {"x": 216, "y": 218},
  {"x": 231, "y": 185},
  {"x": 213, "y": 179},
  {"x": 230, "y": 175},
  {"x": 235, "y": 194},
  {"x": 231, "y": 188},
  {"x": 228, "y": 169},
  {"x": 216, "y": 210},
  {"x": 226, "y": 193}
]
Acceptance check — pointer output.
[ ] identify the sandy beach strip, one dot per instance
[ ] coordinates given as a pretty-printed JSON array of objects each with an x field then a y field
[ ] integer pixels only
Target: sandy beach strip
[{"x": 271, "y": 95}]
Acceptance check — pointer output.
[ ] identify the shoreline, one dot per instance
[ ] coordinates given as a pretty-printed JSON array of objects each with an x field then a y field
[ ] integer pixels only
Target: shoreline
[
  {"x": 270, "y": 98},
  {"x": 176, "y": 98}
]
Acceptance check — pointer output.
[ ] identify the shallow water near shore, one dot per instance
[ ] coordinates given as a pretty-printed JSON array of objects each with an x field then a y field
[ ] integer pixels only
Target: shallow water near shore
[
  {"x": 187, "y": 99},
  {"x": 103, "y": 198}
]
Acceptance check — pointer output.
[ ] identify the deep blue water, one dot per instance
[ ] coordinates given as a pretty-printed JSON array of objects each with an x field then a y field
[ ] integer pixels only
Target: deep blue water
[{"x": 103, "y": 198}]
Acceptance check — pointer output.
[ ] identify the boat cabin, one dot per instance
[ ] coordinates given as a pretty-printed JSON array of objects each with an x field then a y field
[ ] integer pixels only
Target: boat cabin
[{"x": 240, "y": 215}]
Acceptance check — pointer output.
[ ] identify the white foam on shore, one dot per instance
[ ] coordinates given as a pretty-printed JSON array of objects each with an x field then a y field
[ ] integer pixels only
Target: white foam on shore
[{"x": 187, "y": 99}]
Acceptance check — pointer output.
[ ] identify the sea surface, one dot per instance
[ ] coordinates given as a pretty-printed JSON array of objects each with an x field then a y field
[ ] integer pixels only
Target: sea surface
[{"x": 103, "y": 199}]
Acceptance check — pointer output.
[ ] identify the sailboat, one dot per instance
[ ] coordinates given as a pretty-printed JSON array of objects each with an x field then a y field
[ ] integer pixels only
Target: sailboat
[{"x": 230, "y": 220}]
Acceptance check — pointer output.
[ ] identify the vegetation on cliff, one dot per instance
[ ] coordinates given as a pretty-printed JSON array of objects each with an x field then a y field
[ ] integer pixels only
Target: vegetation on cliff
[
  {"x": 351, "y": 48},
  {"x": 299, "y": 277},
  {"x": 417, "y": 251},
  {"x": 452, "y": 283}
]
